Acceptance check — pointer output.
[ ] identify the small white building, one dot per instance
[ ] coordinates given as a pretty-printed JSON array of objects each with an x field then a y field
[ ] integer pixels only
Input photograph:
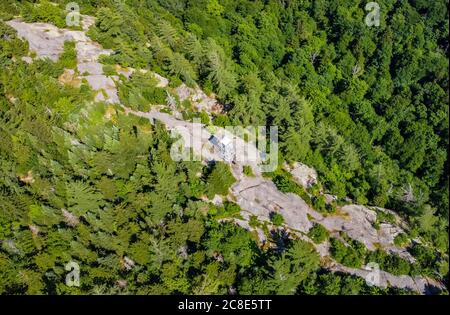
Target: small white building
[{"x": 225, "y": 147}]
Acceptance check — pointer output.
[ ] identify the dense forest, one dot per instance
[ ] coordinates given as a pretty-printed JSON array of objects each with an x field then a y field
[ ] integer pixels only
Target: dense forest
[{"x": 80, "y": 180}]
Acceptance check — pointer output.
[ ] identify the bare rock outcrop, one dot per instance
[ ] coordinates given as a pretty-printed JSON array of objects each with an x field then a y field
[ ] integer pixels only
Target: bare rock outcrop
[
  {"x": 199, "y": 99},
  {"x": 303, "y": 174},
  {"x": 358, "y": 223},
  {"x": 47, "y": 41},
  {"x": 261, "y": 198},
  {"x": 383, "y": 279}
]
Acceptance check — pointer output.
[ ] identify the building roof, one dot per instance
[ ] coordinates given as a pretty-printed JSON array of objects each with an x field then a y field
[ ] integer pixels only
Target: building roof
[
  {"x": 214, "y": 140},
  {"x": 226, "y": 140}
]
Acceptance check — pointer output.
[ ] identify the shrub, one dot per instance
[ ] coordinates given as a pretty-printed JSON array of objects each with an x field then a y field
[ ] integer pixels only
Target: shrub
[
  {"x": 286, "y": 184},
  {"x": 140, "y": 91},
  {"x": 347, "y": 255},
  {"x": 385, "y": 217},
  {"x": 253, "y": 222},
  {"x": 391, "y": 263},
  {"x": 175, "y": 82},
  {"x": 231, "y": 208},
  {"x": 427, "y": 258},
  {"x": 320, "y": 203},
  {"x": 219, "y": 180},
  {"x": 109, "y": 70},
  {"x": 248, "y": 170},
  {"x": 68, "y": 58},
  {"x": 401, "y": 239},
  {"x": 221, "y": 120},
  {"x": 318, "y": 233},
  {"x": 204, "y": 118},
  {"x": 46, "y": 12},
  {"x": 277, "y": 219}
]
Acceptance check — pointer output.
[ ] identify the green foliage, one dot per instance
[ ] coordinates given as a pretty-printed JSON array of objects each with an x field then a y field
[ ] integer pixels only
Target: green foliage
[
  {"x": 318, "y": 233},
  {"x": 119, "y": 28},
  {"x": 355, "y": 255},
  {"x": 390, "y": 263},
  {"x": 286, "y": 184},
  {"x": 386, "y": 217},
  {"x": 293, "y": 267},
  {"x": 321, "y": 205},
  {"x": 109, "y": 70},
  {"x": 235, "y": 246},
  {"x": 368, "y": 109},
  {"x": 248, "y": 171},
  {"x": 429, "y": 260},
  {"x": 11, "y": 46},
  {"x": 140, "y": 92},
  {"x": 221, "y": 121},
  {"x": 68, "y": 58},
  {"x": 350, "y": 255},
  {"x": 338, "y": 284},
  {"x": 229, "y": 209},
  {"x": 204, "y": 118},
  {"x": 401, "y": 239},
  {"x": 45, "y": 11},
  {"x": 277, "y": 219},
  {"x": 219, "y": 180},
  {"x": 357, "y": 106},
  {"x": 254, "y": 222}
]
